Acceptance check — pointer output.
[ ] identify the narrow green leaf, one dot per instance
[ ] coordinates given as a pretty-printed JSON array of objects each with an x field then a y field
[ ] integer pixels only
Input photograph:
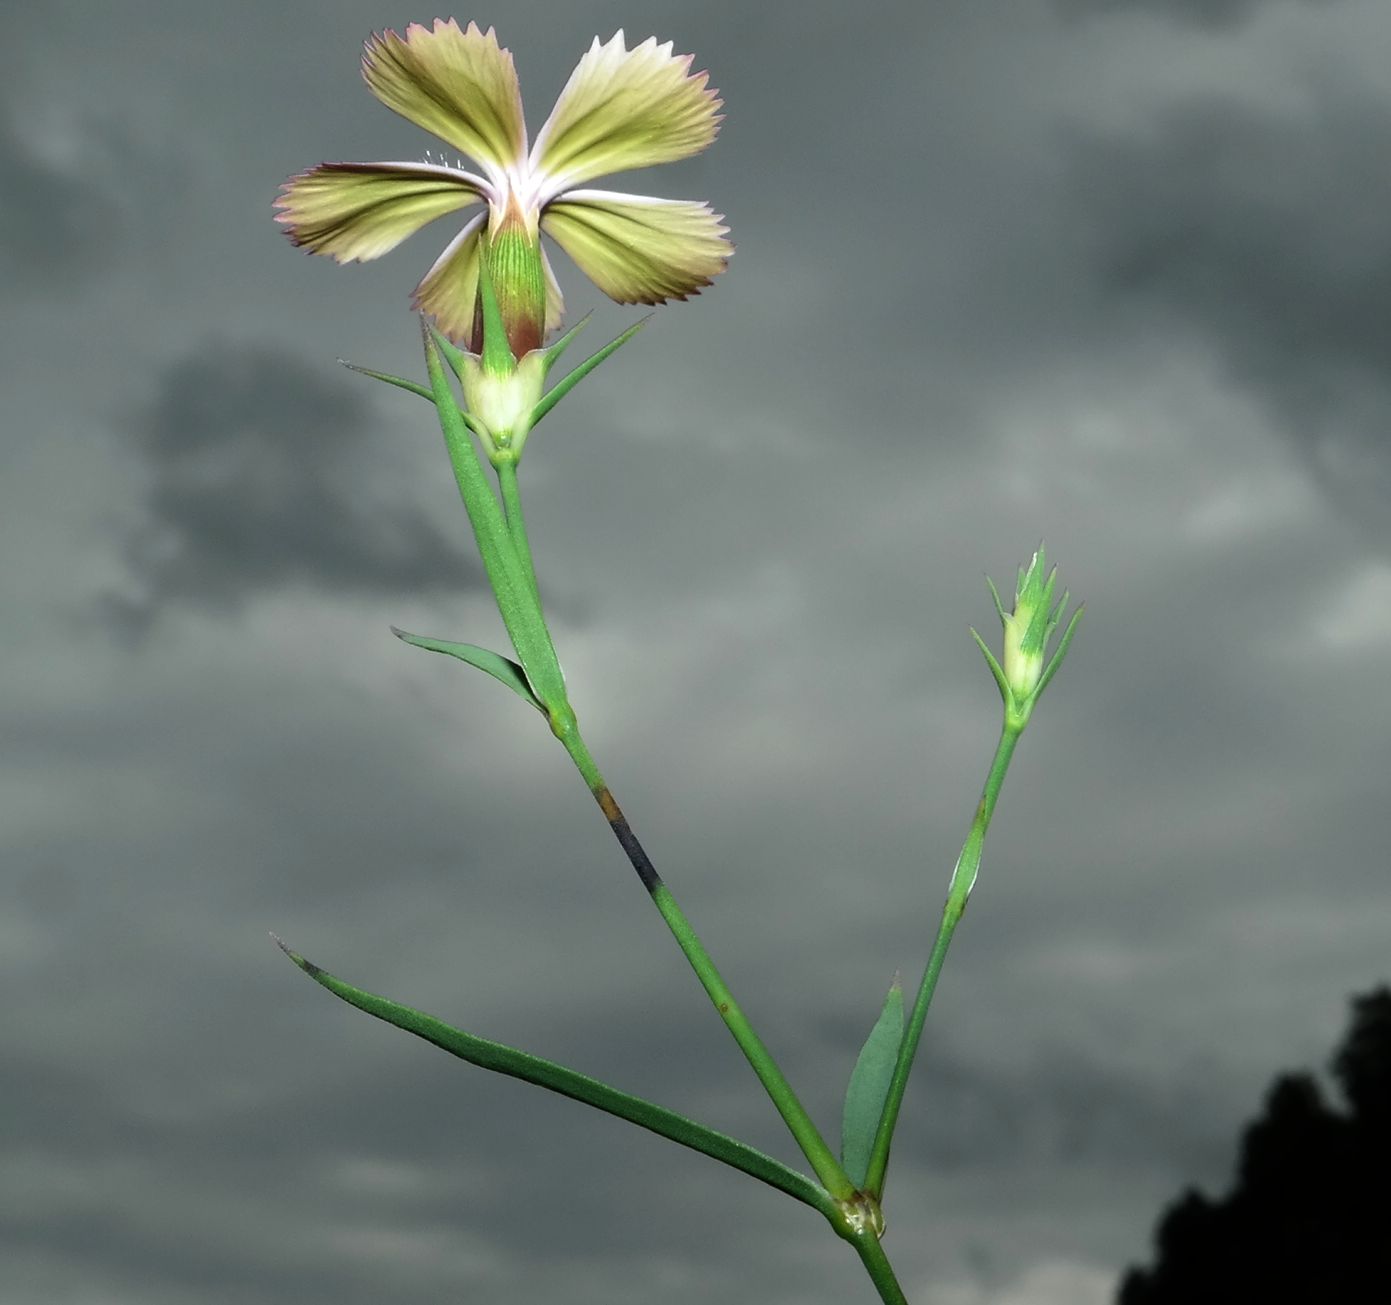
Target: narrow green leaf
[
  {"x": 579, "y": 1087},
  {"x": 573, "y": 378},
  {"x": 526, "y": 627},
  {"x": 869, "y": 1086},
  {"x": 399, "y": 381},
  {"x": 499, "y": 667}
]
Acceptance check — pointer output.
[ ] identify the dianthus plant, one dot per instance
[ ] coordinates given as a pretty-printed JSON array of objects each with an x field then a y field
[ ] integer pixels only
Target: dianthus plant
[{"x": 490, "y": 307}]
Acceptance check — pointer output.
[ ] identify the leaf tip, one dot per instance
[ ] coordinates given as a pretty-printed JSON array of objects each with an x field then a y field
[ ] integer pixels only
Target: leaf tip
[{"x": 308, "y": 967}]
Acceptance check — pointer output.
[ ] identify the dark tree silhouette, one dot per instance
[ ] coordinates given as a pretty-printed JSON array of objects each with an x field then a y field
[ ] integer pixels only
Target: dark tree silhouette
[{"x": 1309, "y": 1217}]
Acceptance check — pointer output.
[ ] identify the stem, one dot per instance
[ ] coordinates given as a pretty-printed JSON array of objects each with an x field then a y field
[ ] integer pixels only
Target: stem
[
  {"x": 958, "y": 891},
  {"x": 510, "y": 581},
  {"x": 803, "y": 1128},
  {"x": 881, "y": 1273},
  {"x": 854, "y": 1217},
  {"x": 516, "y": 523}
]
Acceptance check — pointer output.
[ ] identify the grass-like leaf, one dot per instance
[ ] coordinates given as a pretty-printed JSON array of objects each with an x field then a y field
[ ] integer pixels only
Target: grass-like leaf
[
  {"x": 499, "y": 667},
  {"x": 579, "y": 1087}
]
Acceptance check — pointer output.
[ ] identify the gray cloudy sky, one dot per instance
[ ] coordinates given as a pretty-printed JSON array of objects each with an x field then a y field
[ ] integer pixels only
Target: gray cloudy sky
[{"x": 1114, "y": 275}]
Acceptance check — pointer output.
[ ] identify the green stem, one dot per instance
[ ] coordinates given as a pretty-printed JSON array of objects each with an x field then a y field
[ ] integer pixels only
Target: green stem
[
  {"x": 803, "y": 1128},
  {"x": 854, "y": 1217},
  {"x": 871, "y": 1252},
  {"x": 958, "y": 891},
  {"x": 509, "y": 579},
  {"x": 516, "y": 523}
]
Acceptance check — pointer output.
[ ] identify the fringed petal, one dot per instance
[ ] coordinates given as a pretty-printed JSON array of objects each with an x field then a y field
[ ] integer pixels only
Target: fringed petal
[
  {"x": 359, "y": 211},
  {"x": 460, "y": 85},
  {"x": 624, "y": 109},
  {"x": 639, "y": 250},
  {"x": 449, "y": 290}
]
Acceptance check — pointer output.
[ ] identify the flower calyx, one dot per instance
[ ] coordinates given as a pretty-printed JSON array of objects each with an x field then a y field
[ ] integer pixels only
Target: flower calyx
[
  {"x": 1025, "y": 669},
  {"x": 504, "y": 395}
]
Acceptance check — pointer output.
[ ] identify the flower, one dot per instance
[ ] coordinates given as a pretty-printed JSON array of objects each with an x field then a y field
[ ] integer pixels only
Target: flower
[{"x": 620, "y": 109}]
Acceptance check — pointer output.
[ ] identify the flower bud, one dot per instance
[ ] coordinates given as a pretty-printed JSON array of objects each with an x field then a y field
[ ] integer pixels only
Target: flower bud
[{"x": 1024, "y": 669}]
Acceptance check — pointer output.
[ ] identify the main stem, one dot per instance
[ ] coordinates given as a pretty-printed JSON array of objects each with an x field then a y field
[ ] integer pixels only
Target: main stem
[
  {"x": 516, "y": 523},
  {"x": 799, "y": 1122},
  {"x": 847, "y": 1210},
  {"x": 881, "y": 1273},
  {"x": 962, "y": 880}
]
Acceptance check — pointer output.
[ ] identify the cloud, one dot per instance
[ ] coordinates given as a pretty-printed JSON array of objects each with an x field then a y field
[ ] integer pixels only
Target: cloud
[
  {"x": 1260, "y": 235},
  {"x": 1067, "y": 1107},
  {"x": 259, "y": 478},
  {"x": 57, "y": 225},
  {"x": 1211, "y": 14},
  {"x": 1050, "y": 1282}
]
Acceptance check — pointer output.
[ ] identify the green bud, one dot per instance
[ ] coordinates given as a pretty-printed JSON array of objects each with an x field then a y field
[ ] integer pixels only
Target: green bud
[{"x": 1025, "y": 668}]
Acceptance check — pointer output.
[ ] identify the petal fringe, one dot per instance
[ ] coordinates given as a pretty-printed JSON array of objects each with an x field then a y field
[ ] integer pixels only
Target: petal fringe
[
  {"x": 639, "y": 250},
  {"x": 624, "y": 109},
  {"x": 359, "y": 211},
  {"x": 460, "y": 85}
]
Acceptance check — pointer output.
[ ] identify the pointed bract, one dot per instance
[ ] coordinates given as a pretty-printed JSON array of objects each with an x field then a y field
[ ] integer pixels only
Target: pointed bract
[{"x": 400, "y": 382}]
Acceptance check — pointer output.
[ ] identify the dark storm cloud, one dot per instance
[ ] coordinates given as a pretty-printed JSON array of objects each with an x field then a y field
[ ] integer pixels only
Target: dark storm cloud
[
  {"x": 779, "y": 516},
  {"x": 1211, "y": 14},
  {"x": 1058, "y": 1104},
  {"x": 1264, "y": 236},
  {"x": 81, "y": 197},
  {"x": 56, "y": 227},
  {"x": 1068, "y": 1106},
  {"x": 259, "y": 478}
]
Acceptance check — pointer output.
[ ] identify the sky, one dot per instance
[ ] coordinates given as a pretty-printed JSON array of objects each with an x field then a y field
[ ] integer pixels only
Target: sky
[{"x": 1114, "y": 276}]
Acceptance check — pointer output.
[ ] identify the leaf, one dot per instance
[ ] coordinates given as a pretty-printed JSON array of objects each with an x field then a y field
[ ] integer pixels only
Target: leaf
[
  {"x": 499, "y": 667},
  {"x": 572, "y": 379},
  {"x": 516, "y": 602},
  {"x": 869, "y": 1086},
  {"x": 399, "y": 381},
  {"x": 579, "y": 1087}
]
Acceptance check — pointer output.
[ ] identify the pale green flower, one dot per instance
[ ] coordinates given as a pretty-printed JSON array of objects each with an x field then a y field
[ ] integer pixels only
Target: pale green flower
[{"x": 621, "y": 109}]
